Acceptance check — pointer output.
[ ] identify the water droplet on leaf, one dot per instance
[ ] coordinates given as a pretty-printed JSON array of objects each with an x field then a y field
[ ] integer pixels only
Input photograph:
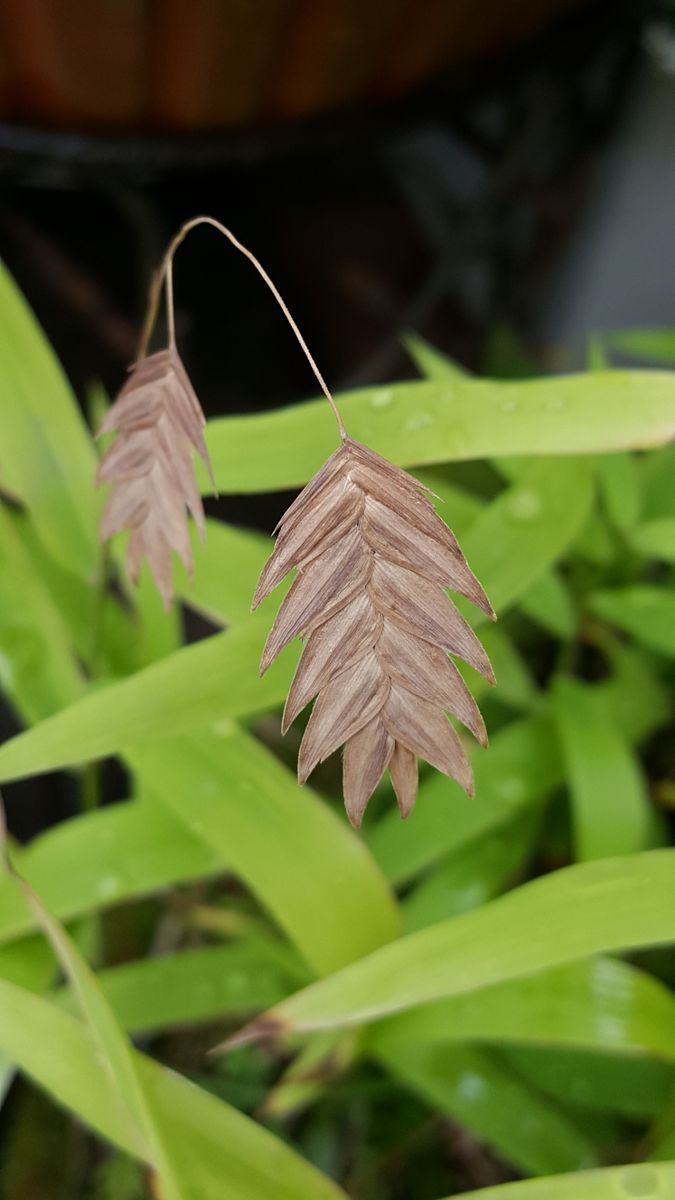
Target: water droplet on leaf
[
  {"x": 524, "y": 505},
  {"x": 382, "y": 398}
]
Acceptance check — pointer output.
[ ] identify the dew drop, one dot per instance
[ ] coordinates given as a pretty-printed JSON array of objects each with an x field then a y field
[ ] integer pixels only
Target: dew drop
[
  {"x": 509, "y": 405},
  {"x": 512, "y": 787},
  {"x": 524, "y": 506},
  {"x": 382, "y": 398},
  {"x": 639, "y": 1181},
  {"x": 108, "y": 886},
  {"x": 471, "y": 1087},
  {"x": 420, "y": 421}
]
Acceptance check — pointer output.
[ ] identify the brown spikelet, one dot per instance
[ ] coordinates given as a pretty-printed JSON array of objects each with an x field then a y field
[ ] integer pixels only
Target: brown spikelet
[
  {"x": 159, "y": 422},
  {"x": 369, "y": 601}
]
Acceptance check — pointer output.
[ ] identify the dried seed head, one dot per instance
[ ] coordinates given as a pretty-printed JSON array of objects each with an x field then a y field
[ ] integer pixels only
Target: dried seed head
[
  {"x": 159, "y": 422},
  {"x": 369, "y": 601}
]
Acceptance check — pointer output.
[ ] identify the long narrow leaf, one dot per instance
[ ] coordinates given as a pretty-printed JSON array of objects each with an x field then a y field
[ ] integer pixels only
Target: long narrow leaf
[
  {"x": 225, "y": 1155},
  {"x": 439, "y": 421},
  {"x": 609, "y": 795},
  {"x": 592, "y": 908},
  {"x": 469, "y": 1084},
  {"x": 47, "y": 458},
  {"x": 310, "y": 869},
  {"x": 650, "y": 1182}
]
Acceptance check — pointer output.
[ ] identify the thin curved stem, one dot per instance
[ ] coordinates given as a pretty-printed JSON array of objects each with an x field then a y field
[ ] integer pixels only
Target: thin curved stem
[{"x": 164, "y": 277}]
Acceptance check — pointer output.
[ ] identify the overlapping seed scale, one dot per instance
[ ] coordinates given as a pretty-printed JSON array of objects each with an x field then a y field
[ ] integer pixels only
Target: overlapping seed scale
[
  {"x": 331, "y": 472},
  {"x": 332, "y": 646},
  {"x": 331, "y": 516},
  {"x": 354, "y": 697},
  {"x": 367, "y": 755},
  {"x": 425, "y": 731},
  {"x": 373, "y": 560},
  {"x": 158, "y": 421},
  {"x": 319, "y": 590},
  {"x": 423, "y": 608},
  {"x": 426, "y": 670},
  {"x": 400, "y": 542}
]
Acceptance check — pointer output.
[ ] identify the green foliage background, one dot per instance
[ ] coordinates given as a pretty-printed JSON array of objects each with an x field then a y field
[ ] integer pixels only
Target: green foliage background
[{"x": 499, "y": 963}]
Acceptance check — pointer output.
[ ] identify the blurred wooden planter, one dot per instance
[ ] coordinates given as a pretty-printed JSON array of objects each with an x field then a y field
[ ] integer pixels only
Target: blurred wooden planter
[{"x": 141, "y": 65}]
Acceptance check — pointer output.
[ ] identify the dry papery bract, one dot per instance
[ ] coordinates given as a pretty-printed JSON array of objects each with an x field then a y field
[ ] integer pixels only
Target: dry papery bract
[
  {"x": 373, "y": 559},
  {"x": 159, "y": 422}
]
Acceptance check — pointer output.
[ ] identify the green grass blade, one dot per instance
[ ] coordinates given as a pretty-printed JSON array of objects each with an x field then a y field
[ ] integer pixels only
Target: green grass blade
[
  {"x": 469, "y": 1084},
  {"x": 599, "y": 1004},
  {"x": 656, "y": 538},
  {"x": 609, "y": 796},
  {"x": 115, "y": 1055},
  {"x": 472, "y": 876},
  {"x": 592, "y": 908},
  {"x": 201, "y": 984},
  {"x": 643, "y": 610},
  {"x": 186, "y": 691},
  {"x": 224, "y": 1155},
  {"x": 227, "y": 566},
  {"x": 48, "y": 458},
  {"x": 283, "y": 841},
  {"x": 529, "y": 526},
  {"x": 521, "y": 766},
  {"x": 619, "y": 480},
  {"x": 102, "y": 858},
  {"x": 549, "y": 602},
  {"x": 631, "y": 1086},
  {"x": 37, "y": 668},
  {"x": 648, "y": 1181},
  {"x": 413, "y": 424},
  {"x": 654, "y": 345}
]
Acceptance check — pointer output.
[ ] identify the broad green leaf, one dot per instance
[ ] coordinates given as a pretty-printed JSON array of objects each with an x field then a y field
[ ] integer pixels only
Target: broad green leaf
[
  {"x": 473, "y": 875},
  {"x": 548, "y": 601},
  {"x": 528, "y": 527},
  {"x": 600, "y": 1004},
  {"x": 192, "y": 985},
  {"x": 656, "y": 538},
  {"x": 648, "y": 1181},
  {"x": 441, "y": 421},
  {"x": 591, "y": 908},
  {"x": 634, "y": 1087},
  {"x": 643, "y": 610},
  {"x": 102, "y": 858},
  {"x": 224, "y": 1154},
  {"x": 520, "y": 767},
  {"x": 608, "y": 791},
  {"x": 469, "y": 1084},
  {"x": 116, "y": 1056},
  {"x": 189, "y": 690},
  {"x": 37, "y": 669},
  {"x": 619, "y": 480},
  {"x": 47, "y": 458},
  {"x": 283, "y": 841}
]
